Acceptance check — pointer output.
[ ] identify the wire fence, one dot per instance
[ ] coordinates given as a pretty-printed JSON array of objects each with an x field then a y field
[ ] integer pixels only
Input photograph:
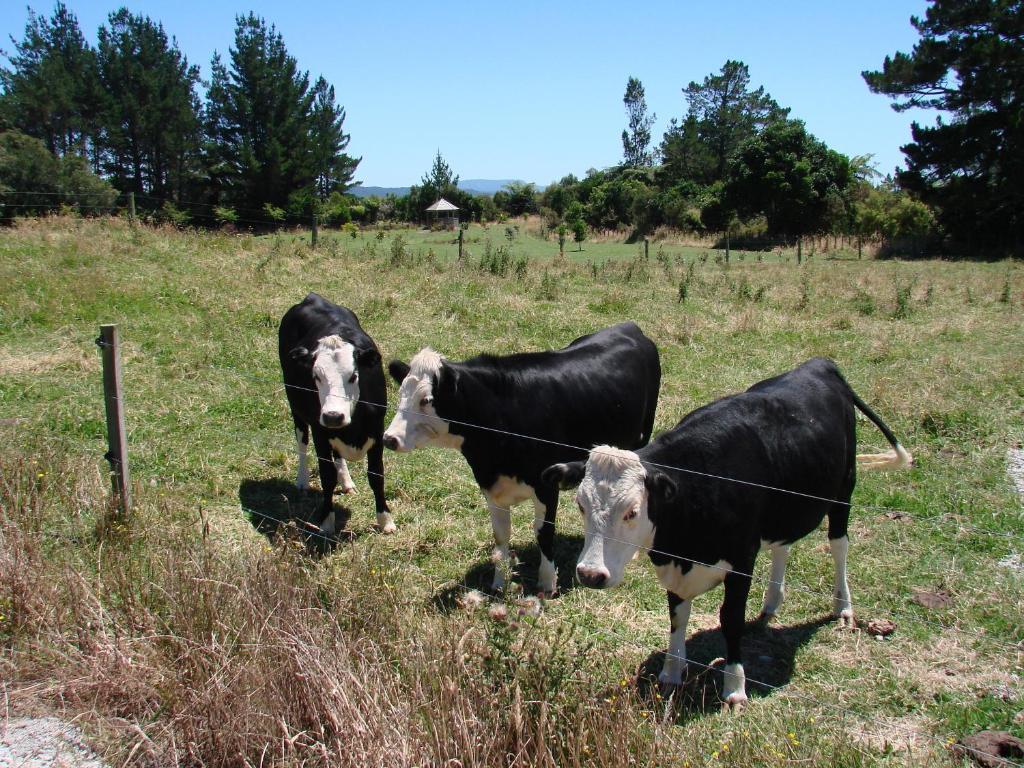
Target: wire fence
[
  {"x": 934, "y": 520},
  {"x": 1012, "y": 648}
]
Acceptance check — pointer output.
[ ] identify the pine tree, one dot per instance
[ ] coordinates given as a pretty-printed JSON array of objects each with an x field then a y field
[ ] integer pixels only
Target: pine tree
[
  {"x": 637, "y": 137},
  {"x": 727, "y": 112},
  {"x": 151, "y": 115},
  {"x": 257, "y": 115},
  {"x": 332, "y": 168},
  {"x": 969, "y": 63},
  {"x": 51, "y": 91}
]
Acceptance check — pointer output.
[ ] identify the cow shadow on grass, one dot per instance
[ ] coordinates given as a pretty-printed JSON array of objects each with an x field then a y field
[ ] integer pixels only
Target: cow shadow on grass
[
  {"x": 524, "y": 573},
  {"x": 769, "y": 653},
  {"x": 275, "y": 507}
]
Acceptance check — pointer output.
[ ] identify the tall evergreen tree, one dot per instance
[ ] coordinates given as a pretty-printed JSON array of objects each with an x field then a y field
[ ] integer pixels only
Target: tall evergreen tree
[
  {"x": 258, "y": 122},
  {"x": 439, "y": 179},
  {"x": 969, "y": 63},
  {"x": 727, "y": 112},
  {"x": 636, "y": 138},
  {"x": 151, "y": 115},
  {"x": 333, "y": 170},
  {"x": 51, "y": 90}
]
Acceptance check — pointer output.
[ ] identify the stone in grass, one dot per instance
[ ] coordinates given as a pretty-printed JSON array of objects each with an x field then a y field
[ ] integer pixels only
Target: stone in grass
[
  {"x": 990, "y": 748},
  {"x": 933, "y": 600}
]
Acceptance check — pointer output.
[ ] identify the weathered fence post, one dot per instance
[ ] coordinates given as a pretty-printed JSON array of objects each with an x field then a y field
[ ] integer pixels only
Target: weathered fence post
[
  {"x": 113, "y": 399},
  {"x": 461, "y": 232},
  {"x": 131, "y": 206},
  {"x": 646, "y": 247},
  {"x": 313, "y": 234},
  {"x": 727, "y": 246}
]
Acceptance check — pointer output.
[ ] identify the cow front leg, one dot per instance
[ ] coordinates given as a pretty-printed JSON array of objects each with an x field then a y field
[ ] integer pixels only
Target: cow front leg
[
  {"x": 375, "y": 477},
  {"x": 842, "y": 605},
  {"x": 674, "y": 668},
  {"x": 327, "y": 521},
  {"x": 776, "y": 591},
  {"x": 344, "y": 477},
  {"x": 734, "y": 683},
  {"x": 501, "y": 525},
  {"x": 301, "y": 450},
  {"x": 545, "y": 505}
]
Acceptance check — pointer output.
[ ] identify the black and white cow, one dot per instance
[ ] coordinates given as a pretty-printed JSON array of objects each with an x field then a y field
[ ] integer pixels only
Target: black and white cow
[
  {"x": 699, "y": 499},
  {"x": 335, "y": 385},
  {"x": 602, "y": 388}
]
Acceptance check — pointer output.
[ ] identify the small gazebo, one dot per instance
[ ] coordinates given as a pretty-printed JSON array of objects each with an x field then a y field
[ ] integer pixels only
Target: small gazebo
[{"x": 444, "y": 213}]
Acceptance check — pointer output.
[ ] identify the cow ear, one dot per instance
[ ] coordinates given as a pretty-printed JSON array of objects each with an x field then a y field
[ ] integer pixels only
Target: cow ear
[
  {"x": 398, "y": 370},
  {"x": 301, "y": 355},
  {"x": 564, "y": 475},
  {"x": 368, "y": 358},
  {"x": 660, "y": 486},
  {"x": 448, "y": 380}
]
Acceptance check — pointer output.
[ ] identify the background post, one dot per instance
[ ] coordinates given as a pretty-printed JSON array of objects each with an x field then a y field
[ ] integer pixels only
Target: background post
[{"x": 113, "y": 399}]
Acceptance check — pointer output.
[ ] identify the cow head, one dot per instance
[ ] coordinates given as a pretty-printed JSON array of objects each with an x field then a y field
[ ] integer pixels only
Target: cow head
[
  {"x": 416, "y": 423},
  {"x": 335, "y": 367},
  {"x": 618, "y": 497}
]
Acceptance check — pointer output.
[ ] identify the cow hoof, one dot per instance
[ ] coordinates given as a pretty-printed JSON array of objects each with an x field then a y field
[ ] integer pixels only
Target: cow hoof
[
  {"x": 845, "y": 620},
  {"x": 734, "y": 702},
  {"x": 766, "y": 616},
  {"x": 386, "y": 524},
  {"x": 349, "y": 490},
  {"x": 546, "y": 594},
  {"x": 672, "y": 679}
]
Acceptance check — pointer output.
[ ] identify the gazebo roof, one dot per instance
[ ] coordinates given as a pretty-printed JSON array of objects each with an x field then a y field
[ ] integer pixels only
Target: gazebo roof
[{"x": 442, "y": 205}]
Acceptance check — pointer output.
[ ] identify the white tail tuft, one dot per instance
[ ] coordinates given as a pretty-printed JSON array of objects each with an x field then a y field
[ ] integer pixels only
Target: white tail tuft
[{"x": 898, "y": 458}]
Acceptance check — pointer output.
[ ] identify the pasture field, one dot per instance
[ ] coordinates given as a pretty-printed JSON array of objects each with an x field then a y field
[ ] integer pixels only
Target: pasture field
[{"x": 182, "y": 635}]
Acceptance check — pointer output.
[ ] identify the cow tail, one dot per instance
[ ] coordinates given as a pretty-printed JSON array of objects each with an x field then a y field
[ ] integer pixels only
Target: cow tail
[{"x": 898, "y": 458}]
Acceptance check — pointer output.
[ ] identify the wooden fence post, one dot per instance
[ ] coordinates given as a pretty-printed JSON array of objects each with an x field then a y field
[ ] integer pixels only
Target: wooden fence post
[
  {"x": 131, "y": 206},
  {"x": 314, "y": 232},
  {"x": 113, "y": 399},
  {"x": 461, "y": 232}
]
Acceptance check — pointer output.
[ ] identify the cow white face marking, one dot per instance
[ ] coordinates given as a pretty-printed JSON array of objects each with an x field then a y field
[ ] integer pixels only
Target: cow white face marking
[
  {"x": 416, "y": 423},
  {"x": 613, "y": 498},
  {"x": 337, "y": 381}
]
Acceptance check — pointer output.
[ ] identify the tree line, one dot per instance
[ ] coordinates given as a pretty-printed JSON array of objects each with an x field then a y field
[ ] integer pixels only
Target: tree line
[
  {"x": 266, "y": 145},
  {"x": 80, "y": 124}
]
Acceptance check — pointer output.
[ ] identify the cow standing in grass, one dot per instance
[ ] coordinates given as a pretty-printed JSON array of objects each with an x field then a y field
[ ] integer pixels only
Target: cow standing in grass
[
  {"x": 513, "y": 416},
  {"x": 334, "y": 381},
  {"x": 756, "y": 470}
]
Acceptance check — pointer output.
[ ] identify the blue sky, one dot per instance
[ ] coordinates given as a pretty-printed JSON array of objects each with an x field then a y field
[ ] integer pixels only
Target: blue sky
[{"x": 533, "y": 90}]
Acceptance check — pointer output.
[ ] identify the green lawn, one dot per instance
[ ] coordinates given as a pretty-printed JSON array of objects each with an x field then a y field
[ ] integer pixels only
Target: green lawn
[{"x": 935, "y": 348}]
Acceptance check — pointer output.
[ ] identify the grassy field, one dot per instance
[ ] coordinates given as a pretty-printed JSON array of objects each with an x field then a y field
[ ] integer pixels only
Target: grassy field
[{"x": 183, "y": 636}]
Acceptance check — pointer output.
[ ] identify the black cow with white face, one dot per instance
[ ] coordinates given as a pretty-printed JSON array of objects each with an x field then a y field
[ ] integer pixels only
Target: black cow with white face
[
  {"x": 602, "y": 388},
  {"x": 705, "y": 526},
  {"x": 335, "y": 385}
]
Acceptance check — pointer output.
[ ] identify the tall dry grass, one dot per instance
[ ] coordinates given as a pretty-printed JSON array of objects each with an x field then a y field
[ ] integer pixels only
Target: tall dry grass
[{"x": 183, "y": 651}]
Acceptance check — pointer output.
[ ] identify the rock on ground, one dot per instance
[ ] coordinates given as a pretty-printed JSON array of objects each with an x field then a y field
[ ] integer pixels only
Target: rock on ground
[{"x": 44, "y": 742}]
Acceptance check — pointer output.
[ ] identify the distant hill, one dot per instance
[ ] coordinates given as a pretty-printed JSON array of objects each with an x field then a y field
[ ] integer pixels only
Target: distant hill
[{"x": 474, "y": 186}]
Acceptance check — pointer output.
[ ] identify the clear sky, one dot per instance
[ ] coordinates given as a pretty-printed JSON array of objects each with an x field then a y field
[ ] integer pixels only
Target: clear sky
[{"x": 533, "y": 90}]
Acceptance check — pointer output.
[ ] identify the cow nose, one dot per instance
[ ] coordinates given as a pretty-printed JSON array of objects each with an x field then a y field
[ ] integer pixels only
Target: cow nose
[
  {"x": 391, "y": 442},
  {"x": 591, "y": 577},
  {"x": 333, "y": 419}
]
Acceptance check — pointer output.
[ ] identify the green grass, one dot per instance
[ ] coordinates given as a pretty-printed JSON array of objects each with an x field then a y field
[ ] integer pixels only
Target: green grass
[{"x": 934, "y": 347}]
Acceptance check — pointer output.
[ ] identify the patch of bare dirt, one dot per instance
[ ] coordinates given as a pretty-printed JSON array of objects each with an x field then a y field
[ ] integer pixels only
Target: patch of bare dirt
[{"x": 44, "y": 742}]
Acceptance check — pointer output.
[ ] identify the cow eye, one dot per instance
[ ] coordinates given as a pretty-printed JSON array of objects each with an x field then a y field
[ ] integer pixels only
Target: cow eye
[
  {"x": 352, "y": 378},
  {"x": 426, "y": 401},
  {"x": 631, "y": 514}
]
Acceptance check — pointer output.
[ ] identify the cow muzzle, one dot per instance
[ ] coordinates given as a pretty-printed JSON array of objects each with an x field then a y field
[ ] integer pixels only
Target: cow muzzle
[
  {"x": 589, "y": 576},
  {"x": 333, "y": 420},
  {"x": 392, "y": 443}
]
